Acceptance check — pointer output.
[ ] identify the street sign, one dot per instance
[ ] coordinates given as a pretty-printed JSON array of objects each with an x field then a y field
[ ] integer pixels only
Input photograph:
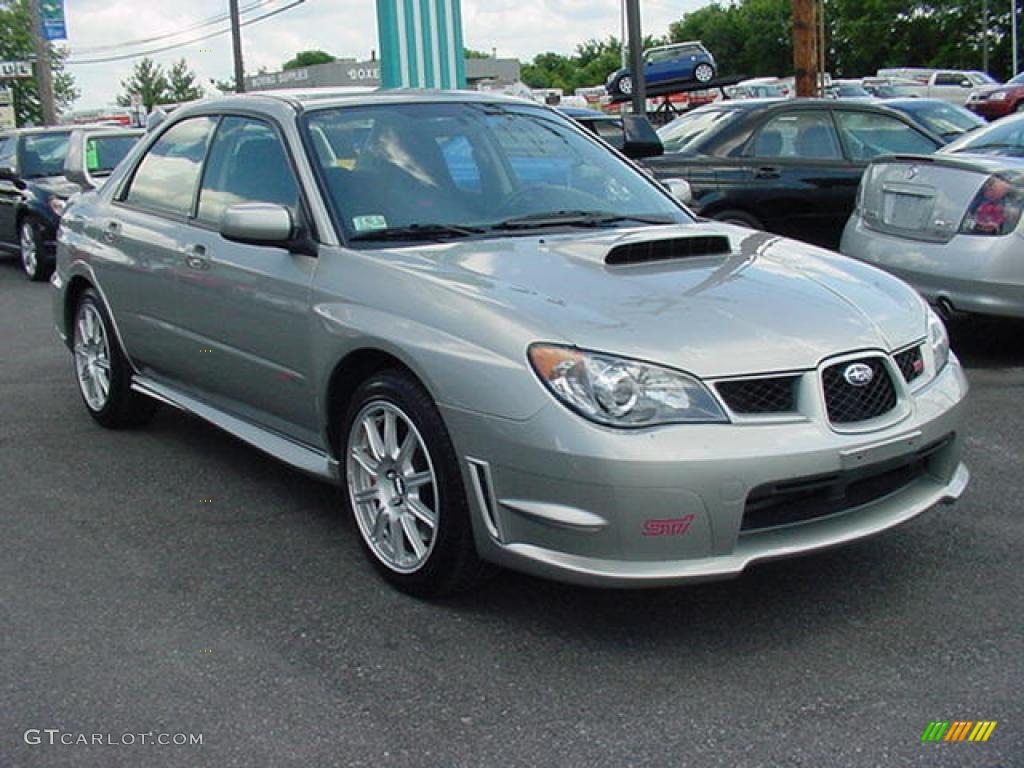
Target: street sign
[
  {"x": 52, "y": 14},
  {"x": 15, "y": 70},
  {"x": 421, "y": 44}
]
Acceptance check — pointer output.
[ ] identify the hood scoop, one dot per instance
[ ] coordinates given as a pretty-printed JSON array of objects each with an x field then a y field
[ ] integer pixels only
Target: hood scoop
[{"x": 668, "y": 249}]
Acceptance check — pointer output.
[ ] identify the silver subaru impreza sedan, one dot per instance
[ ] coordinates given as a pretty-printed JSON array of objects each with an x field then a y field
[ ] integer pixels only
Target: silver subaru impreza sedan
[{"x": 508, "y": 343}]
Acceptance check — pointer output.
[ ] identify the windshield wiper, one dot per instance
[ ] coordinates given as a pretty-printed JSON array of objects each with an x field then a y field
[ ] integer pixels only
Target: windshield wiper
[
  {"x": 419, "y": 232},
  {"x": 577, "y": 219}
]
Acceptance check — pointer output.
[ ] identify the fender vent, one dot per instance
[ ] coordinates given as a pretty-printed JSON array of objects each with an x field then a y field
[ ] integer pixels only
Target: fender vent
[{"x": 667, "y": 250}]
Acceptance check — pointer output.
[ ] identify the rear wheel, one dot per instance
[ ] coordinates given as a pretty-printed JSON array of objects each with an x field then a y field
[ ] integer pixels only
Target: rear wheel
[
  {"x": 405, "y": 490},
  {"x": 101, "y": 370},
  {"x": 33, "y": 250},
  {"x": 740, "y": 218},
  {"x": 704, "y": 72},
  {"x": 624, "y": 85}
]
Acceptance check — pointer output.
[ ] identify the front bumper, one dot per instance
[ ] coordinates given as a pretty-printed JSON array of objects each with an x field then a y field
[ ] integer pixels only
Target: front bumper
[
  {"x": 983, "y": 275},
  {"x": 991, "y": 109},
  {"x": 559, "y": 497}
]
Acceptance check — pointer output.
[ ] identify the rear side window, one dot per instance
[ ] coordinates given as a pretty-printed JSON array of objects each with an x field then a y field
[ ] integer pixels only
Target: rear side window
[
  {"x": 166, "y": 179},
  {"x": 42, "y": 154},
  {"x": 7, "y": 147},
  {"x": 869, "y": 135},
  {"x": 803, "y": 135},
  {"x": 248, "y": 164}
]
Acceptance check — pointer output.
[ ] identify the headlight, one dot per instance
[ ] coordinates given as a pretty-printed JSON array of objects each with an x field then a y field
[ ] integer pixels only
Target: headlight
[
  {"x": 622, "y": 393},
  {"x": 938, "y": 340},
  {"x": 998, "y": 96},
  {"x": 57, "y": 205}
]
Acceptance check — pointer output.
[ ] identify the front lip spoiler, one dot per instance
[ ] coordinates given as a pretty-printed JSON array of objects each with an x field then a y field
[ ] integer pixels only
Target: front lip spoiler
[{"x": 756, "y": 547}]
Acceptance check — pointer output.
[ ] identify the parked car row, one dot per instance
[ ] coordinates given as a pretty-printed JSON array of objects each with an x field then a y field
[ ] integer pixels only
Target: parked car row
[{"x": 508, "y": 343}]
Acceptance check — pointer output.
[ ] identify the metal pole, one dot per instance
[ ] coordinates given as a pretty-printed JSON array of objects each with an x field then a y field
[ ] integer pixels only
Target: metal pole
[
  {"x": 44, "y": 73},
  {"x": 236, "y": 45},
  {"x": 984, "y": 32},
  {"x": 1013, "y": 36},
  {"x": 622, "y": 39},
  {"x": 636, "y": 57}
]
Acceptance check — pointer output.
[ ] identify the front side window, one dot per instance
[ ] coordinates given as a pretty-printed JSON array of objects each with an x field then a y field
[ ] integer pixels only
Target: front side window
[
  {"x": 807, "y": 135},
  {"x": 470, "y": 166},
  {"x": 103, "y": 153},
  {"x": 42, "y": 154},
  {"x": 948, "y": 78},
  {"x": 869, "y": 135},
  {"x": 7, "y": 147},
  {"x": 166, "y": 179},
  {"x": 247, "y": 164}
]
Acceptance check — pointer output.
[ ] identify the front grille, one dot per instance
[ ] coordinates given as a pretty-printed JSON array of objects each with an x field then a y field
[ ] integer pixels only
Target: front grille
[
  {"x": 810, "y": 498},
  {"x": 849, "y": 404},
  {"x": 772, "y": 395},
  {"x": 910, "y": 362}
]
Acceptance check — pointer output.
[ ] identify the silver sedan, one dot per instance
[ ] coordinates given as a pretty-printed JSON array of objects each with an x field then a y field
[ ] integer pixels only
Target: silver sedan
[
  {"x": 509, "y": 344},
  {"x": 949, "y": 223}
]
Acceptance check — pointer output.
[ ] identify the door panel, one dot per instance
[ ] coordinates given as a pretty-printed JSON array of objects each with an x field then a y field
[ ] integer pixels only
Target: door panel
[{"x": 9, "y": 194}]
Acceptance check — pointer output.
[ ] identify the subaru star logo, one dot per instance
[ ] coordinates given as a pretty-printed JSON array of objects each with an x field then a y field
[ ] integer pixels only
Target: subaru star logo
[{"x": 858, "y": 375}]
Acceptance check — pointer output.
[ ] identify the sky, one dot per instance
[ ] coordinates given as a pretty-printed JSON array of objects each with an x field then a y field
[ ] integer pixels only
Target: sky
[{"x": 345, "y": 28}]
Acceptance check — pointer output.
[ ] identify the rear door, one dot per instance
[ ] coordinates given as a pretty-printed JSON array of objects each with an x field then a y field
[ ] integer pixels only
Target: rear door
[{"x": 244, "y": 309}]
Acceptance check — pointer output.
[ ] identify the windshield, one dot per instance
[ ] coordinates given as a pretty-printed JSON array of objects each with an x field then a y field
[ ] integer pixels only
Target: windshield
[
  {"x": 1005, "y": 137},
  {"x": 683, "y": 132},
  {"x": 981, "y": 78},
  {"x": 42, "y": 154},
  {"x": 432, "y": 170},
  {"x": 946, "y": 120},
  {"x": 103, "y": 153},
  {"x": 1018, "y": 80}
]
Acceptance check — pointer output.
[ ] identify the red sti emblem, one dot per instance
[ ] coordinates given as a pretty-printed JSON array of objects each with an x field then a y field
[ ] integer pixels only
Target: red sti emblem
[{"x": 668, "y": 527}]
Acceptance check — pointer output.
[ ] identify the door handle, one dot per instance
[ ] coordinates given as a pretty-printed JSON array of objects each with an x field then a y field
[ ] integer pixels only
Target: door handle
[
  {"x": 111, "y": 231},
  {"x": 195, "y": 257},
  {"x": 766, "y": 173}
]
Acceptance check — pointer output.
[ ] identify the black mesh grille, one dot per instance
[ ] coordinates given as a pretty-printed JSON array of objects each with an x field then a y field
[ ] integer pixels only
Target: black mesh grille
[
  {"x": 910, "y": 363},
  {"x": 848, "y": 403},
  {"x": 665, "y": 250},
  {"x": 808, "y": 498},
  {"x": 772, "y": 395}
]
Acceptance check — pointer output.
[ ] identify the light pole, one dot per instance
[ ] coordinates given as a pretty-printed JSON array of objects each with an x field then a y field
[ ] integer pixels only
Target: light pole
[
  {"x": 1013, "y": 35},
  {"x": 636, "y": 57},
  {"x": 236, "y": 46}
]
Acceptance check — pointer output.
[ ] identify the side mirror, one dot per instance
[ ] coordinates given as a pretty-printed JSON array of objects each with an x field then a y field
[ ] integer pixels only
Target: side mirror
[
  {"x": 639, "y": 138},
  {"x": 965, "y": 83},
  {"x": 680, "y": 189},
  {"x": 258, "y": 224},
  {"x": 7, "y": 173}
]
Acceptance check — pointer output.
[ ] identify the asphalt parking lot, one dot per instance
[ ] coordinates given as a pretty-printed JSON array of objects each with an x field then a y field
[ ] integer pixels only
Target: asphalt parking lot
[{"x": 172, "y": 580}]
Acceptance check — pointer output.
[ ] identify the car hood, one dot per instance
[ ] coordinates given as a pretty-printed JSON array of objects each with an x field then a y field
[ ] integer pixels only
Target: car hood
[{"x": 770, "y": 304}]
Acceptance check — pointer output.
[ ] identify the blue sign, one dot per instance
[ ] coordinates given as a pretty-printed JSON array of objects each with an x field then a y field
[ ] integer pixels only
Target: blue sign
[
  {"x": 421, "y": 44},
  {"x": 52, "y": 14}
]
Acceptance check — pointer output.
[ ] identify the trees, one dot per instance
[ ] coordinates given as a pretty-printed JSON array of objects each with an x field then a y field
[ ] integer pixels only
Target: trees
[
  {"x": 308, "y": 59},
  {"x": 155, "y": 86},
  {"x": 16, "y": 44}
]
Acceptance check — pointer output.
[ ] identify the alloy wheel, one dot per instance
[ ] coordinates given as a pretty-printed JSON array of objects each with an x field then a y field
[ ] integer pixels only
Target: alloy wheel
[
  {"x": 392, "y": 486},
  {"x": 29, "y": 253},
  {"x": 92, "y": 357},
  {"x": 703, "y": 72}
]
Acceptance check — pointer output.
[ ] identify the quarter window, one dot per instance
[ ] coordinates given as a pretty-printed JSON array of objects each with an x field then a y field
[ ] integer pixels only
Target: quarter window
[
  {"x": 7, "y": 147},
  {"x": 869, "y": 135},
  {"x": 168, "y": 175},
  {"x": 247, "y": 164}
]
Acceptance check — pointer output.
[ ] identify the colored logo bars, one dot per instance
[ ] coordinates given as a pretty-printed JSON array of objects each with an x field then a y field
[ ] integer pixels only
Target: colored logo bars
[{"x": 958, "y": 730}]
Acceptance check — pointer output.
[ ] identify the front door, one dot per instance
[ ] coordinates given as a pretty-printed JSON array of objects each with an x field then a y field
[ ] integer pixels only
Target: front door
[{"x": 9, "y": 193}]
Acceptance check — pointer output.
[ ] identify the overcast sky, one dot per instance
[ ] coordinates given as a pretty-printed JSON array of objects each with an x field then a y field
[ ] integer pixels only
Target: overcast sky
[{"x": 344, "y": 28}]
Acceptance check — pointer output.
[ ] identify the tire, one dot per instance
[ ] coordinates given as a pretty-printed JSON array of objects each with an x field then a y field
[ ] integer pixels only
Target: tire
[
  {"x": 418, "y": 537},
  {"x": 741, "y": 218},
  {"x": 98, "y": 360},
  {"x": 34, "y": 259},
  {"x": 1019, "y": 107},
  {"x": 704, "y": 73},
  {"x": 624, "y": 85}
]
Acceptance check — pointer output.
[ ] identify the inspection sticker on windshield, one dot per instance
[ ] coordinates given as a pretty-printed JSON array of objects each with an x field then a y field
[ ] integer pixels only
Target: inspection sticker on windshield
[{"x": 369, "y": 223}]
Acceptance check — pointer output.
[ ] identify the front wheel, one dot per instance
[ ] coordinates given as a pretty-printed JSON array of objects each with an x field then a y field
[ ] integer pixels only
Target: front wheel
[
  {"x": 33, "y": 250},
  {"x": 704, "y": 73},
  {"x": 101, "y": 369},
  {"x": 405, "y": 490},
  {"x": 625, "y": 85}
]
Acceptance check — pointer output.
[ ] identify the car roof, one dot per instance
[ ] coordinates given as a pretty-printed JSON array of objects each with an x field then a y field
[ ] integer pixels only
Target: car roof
[
  {"x": 41, "y": 129},
  {"x": 911, "y": 101}
]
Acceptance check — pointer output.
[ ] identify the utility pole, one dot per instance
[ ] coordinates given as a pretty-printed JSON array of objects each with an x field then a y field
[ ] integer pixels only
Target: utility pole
[
  {"x": 236, "y": 46},
  {"x": 44, "y": 72},
  {"x": 1013, "y": 36},
  {"x": 984, "y": 32},
  {"x": 636, "y": 57},
  {"x": 805, "y": 54}
]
